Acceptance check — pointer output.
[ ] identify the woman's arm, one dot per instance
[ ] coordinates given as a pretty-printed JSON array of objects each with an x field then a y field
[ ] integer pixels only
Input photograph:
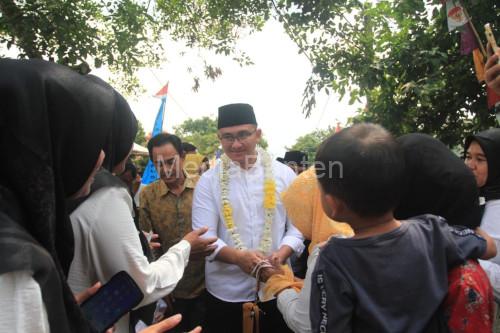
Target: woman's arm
[{"x": 491, "y": 248}]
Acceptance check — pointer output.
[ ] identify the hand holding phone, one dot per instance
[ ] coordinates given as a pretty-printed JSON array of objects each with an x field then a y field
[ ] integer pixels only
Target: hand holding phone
[
  {"x": 84, "y": 295},
  {"x": 492, "y": 66},
  {"x": 490, "y": 37},
  {"x": 114, "y": 299}
]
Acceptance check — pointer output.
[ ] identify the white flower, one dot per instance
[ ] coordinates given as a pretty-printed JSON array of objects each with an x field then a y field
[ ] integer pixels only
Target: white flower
[{"x": 266, "y": 239}]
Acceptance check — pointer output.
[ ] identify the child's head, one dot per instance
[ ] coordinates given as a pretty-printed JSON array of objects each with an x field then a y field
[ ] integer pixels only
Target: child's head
[{"x": 361, "y": 171}]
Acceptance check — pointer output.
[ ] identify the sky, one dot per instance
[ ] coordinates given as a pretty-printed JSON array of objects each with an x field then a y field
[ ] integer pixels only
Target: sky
[{"x": 273, "y": 86}]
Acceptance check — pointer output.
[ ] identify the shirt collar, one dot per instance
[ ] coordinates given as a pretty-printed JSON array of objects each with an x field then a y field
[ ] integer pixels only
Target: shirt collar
[{"x": 189, "y": 182}]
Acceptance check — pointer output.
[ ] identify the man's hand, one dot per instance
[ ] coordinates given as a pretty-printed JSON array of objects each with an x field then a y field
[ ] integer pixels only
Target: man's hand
[
  {"x": 200, "y": 247},
  {"x": 153, "y": 240},
  {"x": 247, "y": 260},
  {"x": 492, "y": 70},
  {"x": 275, "y": 260},
  {"x": 281, "y": 255},
  {"x": 270, "y": 271},
  {"x": 167, "y": 324}
]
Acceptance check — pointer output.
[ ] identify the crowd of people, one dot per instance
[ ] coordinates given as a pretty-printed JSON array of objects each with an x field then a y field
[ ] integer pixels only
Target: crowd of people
[{"x": 378, "y": 234}]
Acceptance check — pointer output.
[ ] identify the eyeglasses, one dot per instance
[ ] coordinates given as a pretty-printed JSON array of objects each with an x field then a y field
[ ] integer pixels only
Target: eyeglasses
[{"x": 240, "y": 136}]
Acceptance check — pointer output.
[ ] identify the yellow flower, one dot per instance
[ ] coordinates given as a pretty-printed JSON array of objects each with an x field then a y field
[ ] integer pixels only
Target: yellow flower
[
  {"x": 227, "y": 211},
  {"x": 269, "y": 185},
  {"x": 269, "y": 194},
  {"x": 269, "y": 201}
]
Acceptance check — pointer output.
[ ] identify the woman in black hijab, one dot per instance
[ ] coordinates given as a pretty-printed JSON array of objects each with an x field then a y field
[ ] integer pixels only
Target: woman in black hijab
[
  {"x": 104, "y": 229},
  {"x": 439, "y": 183},
  {"x": 482, "y": 156},
  {"x": 119, "y": 144},
  {"x": 487, "y": 144},
  {"x": 53, "y": 126}
]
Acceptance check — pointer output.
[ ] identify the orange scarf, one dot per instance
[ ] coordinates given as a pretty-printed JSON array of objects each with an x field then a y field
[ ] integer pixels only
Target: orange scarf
[{"x": 302, "y": 201}]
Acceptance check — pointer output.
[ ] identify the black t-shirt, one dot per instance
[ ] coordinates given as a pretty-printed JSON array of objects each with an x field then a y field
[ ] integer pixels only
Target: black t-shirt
[{"x": 393, "y": 282}]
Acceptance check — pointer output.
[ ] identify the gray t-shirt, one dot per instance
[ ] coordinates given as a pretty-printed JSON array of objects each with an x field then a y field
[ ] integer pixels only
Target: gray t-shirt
[{"x": 394, "y": 282}]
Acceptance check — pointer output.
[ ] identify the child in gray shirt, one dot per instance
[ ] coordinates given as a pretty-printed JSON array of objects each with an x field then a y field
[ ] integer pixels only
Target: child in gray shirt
[{"x": 392, "y": 275}]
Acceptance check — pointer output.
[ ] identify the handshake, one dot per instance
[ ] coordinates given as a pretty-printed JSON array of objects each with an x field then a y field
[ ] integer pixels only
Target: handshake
[{"x": 258, "y": 265}]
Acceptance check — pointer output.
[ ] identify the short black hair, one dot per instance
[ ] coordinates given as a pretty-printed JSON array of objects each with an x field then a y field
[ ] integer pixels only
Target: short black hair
[
  {"x": 162, "y": 139},
  {"x": 296, "y": 157},
  {"x": 130, "y": 166},
  {"x": 188, "y": 147},
  {"x": 364, "y": 167}
]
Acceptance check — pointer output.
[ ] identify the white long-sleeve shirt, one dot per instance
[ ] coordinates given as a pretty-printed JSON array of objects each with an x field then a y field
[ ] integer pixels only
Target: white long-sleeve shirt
[
  {"x": 246, "y": 193},
  {"x": 21, "y": 304},
  {"x": 490, "y": 223},
  {"x": 106, "y": 242},
  {"x": 293, "y": 305}
]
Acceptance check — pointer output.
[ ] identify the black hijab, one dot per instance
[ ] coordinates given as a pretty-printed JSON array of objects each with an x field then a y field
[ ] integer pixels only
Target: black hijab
[
  {"x": 489, "y": 141},
  {"x": 53, "y": 125},
  {"x": 437, "y": 182},
  {"x": 119, "y": 144},
  {"x": 124, "y": 129}
]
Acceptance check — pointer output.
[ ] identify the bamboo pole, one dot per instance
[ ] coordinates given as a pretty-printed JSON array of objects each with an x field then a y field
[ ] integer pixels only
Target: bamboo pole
[{"x": 469, "y": 21}]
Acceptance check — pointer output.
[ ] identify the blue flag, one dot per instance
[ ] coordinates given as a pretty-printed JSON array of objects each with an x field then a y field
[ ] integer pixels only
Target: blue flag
[{"x": 150, "y": 174}]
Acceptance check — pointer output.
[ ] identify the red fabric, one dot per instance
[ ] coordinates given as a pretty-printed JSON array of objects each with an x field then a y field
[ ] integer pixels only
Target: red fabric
[
  {"x": 468, "y": 41},
  {"x": 162, "y": 92},
  {"x": 469, "y": 305},
  {"x": 493, "y": 98}
]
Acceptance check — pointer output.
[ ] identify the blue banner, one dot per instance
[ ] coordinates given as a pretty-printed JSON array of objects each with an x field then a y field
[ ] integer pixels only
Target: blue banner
[{"x": 150, "y": 174}]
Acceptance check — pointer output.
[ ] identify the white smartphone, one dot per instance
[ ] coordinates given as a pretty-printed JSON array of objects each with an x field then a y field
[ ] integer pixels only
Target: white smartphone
[{"x": 490, "y": 37}]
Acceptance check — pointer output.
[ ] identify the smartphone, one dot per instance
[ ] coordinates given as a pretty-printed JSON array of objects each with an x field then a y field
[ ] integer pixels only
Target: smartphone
[
  {"x": 490, "y": 37},
  {"x": 114, "y": 299}
]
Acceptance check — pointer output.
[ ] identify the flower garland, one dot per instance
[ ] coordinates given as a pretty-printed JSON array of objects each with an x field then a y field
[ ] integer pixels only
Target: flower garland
[{"x": 269, "y": 202}]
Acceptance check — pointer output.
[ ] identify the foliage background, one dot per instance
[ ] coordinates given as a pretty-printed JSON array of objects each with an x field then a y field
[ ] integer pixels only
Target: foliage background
[
  {"x": 398, "y": 58},
  {"x": 395, "y": 56}
]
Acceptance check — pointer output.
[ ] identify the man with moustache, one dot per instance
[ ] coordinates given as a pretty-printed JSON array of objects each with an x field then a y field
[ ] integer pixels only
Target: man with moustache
[{"x": 165, "y": 209}]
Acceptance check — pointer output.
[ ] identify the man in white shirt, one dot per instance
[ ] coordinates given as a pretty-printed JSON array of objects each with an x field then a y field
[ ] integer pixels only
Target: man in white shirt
[{"x": 239, "y": 202}]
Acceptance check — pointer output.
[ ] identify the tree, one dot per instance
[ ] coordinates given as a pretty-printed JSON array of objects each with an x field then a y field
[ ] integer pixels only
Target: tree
[
  {"x": 310, "y": 142},
  {"x": 398, "y": 56},
  {"x": 200, "y": 132},
  {"x": 125, "y": 34},
  {"x": 263, "y": 142},
  {"x": 140, "y": 138}
]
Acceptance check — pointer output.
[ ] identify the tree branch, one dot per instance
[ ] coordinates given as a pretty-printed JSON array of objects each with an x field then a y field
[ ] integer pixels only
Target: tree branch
[{"x": 21, "y": 31}]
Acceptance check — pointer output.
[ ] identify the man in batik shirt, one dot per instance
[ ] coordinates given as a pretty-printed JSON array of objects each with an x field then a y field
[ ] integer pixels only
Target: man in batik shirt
[{"x": 165, "y": 209}]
